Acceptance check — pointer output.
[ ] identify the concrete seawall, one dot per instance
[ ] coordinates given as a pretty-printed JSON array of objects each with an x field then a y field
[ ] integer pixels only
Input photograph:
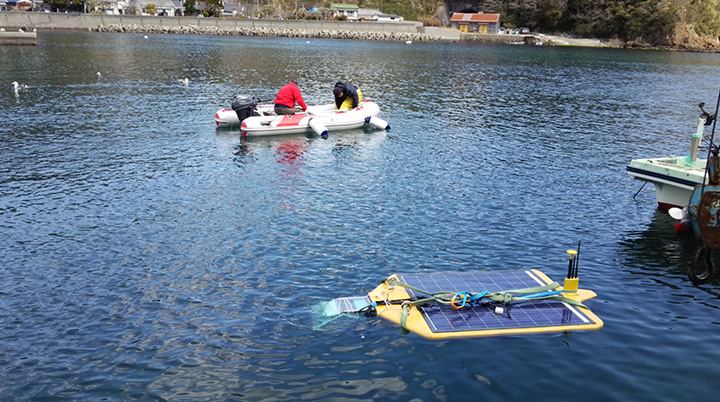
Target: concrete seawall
[
  {"x": 18, "y": 38},
  {"x": 91, "y": 22}
]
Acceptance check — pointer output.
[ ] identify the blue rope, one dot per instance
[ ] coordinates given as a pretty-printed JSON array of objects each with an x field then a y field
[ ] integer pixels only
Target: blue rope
[
  {"x": 536, "y": 295},
  {"x": 469, "y": 298}
]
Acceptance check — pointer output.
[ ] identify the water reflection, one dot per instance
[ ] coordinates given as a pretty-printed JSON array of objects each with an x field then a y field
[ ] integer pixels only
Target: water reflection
[
  {"x": 290, "y": 154},
  {"x": 662, "y": 254},
  {"x": 346, "y": 147},
  {"x": 659, "y": 250},
  {"x": 243, "y": 153},
  {"x": 288, "y": 149},
  {"x": 292, "y": 150}
]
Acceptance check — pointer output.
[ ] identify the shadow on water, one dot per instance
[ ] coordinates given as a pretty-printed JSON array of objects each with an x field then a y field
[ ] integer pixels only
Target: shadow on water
[
  {"x": 291, "y": 149},
  {"x": 661, "y": 253},
  {"x": 659, "y": 248}
]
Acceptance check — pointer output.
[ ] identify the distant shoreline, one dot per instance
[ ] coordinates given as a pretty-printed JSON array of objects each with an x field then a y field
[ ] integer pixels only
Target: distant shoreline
[
  {"x": 431, "y": 34},
  {"x": 404, "y": 31}
]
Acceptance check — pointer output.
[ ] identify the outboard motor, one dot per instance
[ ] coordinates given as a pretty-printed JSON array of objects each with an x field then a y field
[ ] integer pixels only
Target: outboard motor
[{"x": 244, "y": 106}]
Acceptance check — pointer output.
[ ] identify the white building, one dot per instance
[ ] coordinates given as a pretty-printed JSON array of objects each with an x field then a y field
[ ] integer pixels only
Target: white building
[
  {"x": 371, "y": 14},
  {"x": 162, "y": 7},
  {"x": 348, "y": 10}
]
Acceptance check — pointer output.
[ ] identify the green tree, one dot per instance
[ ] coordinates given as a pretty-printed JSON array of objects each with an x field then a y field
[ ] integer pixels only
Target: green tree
[
  {"x": 189, "y": 6},
  {"x": 267, "y": 11},
  {"x": 408, "y": 9},
  {"x": 90, "y": 6},
  {"x": 551, "y": 19},
  {"x": 76, "y": 5},
  {"x": 150, "y": 9},
  {"x": 324, "y": 13},
  {"x": 705, "y": 17},
  {"x": 214, "y": 7}
]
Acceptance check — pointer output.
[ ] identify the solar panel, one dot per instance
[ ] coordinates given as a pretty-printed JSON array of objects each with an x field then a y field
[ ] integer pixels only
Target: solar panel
[{"x": 528, "y": 314}]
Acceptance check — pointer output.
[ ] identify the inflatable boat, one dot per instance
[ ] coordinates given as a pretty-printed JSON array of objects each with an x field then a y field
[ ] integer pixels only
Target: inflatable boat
[{"x": 260, "y": 120}]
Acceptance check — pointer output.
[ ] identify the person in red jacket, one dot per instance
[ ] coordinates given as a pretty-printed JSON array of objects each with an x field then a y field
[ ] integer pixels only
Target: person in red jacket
[{"x": 286, "y": 98}]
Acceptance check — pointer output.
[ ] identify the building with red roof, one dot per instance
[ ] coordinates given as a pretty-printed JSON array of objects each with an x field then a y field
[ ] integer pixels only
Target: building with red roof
[{"x": 475, "y": 22}]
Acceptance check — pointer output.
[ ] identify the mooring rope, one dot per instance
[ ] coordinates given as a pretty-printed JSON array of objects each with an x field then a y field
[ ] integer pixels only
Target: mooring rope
[{"x": 459, "y": 300}]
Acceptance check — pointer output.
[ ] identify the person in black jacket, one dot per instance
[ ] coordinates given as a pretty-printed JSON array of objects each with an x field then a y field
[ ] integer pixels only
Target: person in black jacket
[{"x": 347, "y": 96}]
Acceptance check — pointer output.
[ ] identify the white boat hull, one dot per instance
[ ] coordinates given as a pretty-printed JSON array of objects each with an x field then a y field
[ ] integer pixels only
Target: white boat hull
[
  {"x": 319, "y": 119},
  {"x": 674, "y": 178}
]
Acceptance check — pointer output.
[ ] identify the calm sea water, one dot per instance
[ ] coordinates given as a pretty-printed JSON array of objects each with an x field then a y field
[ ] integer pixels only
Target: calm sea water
[{"x": 147, "y": 256}]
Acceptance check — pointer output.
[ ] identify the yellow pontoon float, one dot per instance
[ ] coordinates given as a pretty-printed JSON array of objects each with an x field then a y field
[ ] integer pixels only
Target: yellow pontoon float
[{"x": 477, "y": 304}]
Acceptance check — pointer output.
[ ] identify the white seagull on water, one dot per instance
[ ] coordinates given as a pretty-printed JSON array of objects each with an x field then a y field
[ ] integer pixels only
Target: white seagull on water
[{"x": 17, "y": 87}]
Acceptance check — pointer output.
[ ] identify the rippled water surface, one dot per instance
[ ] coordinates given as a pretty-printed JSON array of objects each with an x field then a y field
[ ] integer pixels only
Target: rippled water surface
[{"x": 147, "y": 256}]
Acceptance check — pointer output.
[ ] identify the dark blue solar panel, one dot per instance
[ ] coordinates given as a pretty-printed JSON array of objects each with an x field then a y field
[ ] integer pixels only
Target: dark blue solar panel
[{"x": 531, "y": 314}]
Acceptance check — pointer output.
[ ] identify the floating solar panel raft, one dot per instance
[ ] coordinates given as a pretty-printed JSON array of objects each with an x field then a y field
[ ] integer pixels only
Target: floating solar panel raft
[{"x": 478, "y": 304}]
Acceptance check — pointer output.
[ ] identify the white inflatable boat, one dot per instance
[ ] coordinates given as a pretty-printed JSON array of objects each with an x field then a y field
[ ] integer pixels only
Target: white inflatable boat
[{"x": 262, "y": 120}]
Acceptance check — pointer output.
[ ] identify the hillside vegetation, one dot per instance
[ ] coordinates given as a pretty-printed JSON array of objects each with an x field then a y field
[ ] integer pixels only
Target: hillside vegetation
[{"x": 688, "y": 24}]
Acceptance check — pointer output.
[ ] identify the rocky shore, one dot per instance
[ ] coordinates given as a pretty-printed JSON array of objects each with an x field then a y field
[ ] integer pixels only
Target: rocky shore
[{"x": 267, "y": 32}]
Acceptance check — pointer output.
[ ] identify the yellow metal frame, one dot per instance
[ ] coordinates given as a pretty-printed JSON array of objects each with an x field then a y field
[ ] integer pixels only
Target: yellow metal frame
[{"x": 416, "y": 323}]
